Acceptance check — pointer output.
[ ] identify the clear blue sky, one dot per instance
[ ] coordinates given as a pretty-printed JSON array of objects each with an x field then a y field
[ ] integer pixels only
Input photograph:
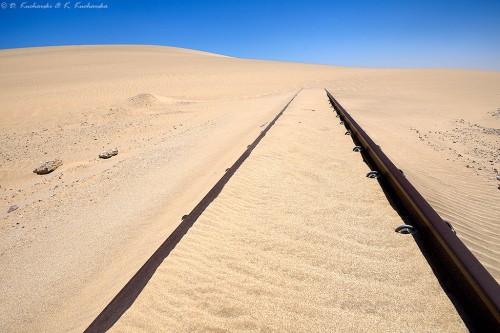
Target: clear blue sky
[{"x": 378, "y": 33}]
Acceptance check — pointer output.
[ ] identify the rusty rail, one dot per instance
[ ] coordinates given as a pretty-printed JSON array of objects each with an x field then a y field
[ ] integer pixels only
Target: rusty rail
[
  {"x": 477, "y": 291},
  {"x": 129, "y": 293}
]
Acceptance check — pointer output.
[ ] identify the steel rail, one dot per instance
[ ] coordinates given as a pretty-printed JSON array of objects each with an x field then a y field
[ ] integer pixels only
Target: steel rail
[
  {"x": 478, "y": 291},
  {"x": 129, "y": 293}
]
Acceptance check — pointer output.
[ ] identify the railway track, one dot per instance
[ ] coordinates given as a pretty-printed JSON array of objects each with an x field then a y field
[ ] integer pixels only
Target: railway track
[{"x": 472, "y": 289}]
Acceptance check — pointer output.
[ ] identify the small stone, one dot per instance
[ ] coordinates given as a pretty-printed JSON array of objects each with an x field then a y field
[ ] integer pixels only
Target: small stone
[
  {"x": 12, "y": 208},
  {"x": 109, "y": 153},
  {"x": 498, "y": 177},
  {"x": 48, "y": 167}
]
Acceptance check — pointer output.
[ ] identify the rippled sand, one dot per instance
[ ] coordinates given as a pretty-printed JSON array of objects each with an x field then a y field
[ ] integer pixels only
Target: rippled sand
[{"x": 299, "y": 240}]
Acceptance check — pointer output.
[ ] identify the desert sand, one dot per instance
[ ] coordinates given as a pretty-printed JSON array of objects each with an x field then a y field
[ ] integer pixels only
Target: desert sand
[
  {"x": 179, "y": 118},
  {"x": 254, "y": 262}
]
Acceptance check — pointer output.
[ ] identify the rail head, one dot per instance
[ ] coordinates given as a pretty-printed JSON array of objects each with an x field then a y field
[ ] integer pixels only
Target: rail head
[{"x": 483, "y": 290}]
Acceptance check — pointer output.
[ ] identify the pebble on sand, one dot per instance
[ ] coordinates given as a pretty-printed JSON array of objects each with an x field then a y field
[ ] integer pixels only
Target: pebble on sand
[
  {"x": 12, "y": 208},
  {"x": 109, "y": 153},
  {"x": 48, "y": 167}
]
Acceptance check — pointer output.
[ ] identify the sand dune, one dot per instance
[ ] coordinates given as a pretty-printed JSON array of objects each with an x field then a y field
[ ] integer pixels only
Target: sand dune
[{"x": 179, "y": 118}]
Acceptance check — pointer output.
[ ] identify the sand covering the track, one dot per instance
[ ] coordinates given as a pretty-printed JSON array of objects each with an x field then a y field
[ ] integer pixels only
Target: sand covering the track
[
  {"x": 255, "y": 262},
  {"x": 179, "y": 118}
]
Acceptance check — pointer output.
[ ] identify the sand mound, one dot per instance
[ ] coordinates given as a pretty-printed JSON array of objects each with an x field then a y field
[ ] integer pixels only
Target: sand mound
[
  {"x": 144, "y": 100},
  {"x": 150, "y": 101}
]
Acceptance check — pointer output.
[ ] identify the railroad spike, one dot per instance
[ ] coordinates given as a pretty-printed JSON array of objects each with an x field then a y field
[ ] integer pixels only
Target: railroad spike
[
  {"x": 342, "y": 122},
  {"x": 373, "y": 174},
  {"x": 348, "y": 132},
  {"x": 451, "y": 227},
  {"x": 406, "y": 229},
  {"x": 357, "y": 149}
]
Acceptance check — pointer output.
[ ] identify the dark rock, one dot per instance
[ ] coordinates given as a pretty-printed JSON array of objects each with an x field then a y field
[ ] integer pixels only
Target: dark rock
[
  {"x": 48, "y": 167},
  {"x": 109, "y": 153},
  {"x": 12, "y": 208}
]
